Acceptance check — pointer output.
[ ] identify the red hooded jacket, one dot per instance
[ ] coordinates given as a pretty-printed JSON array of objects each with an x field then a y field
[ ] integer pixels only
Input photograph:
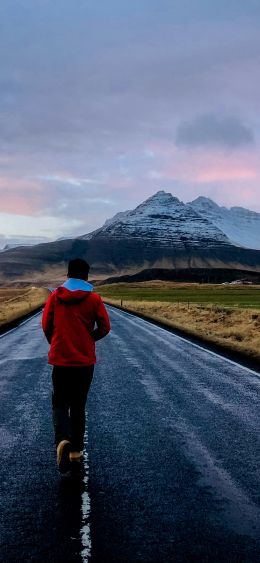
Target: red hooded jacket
[{"x": 68, "y": 321}]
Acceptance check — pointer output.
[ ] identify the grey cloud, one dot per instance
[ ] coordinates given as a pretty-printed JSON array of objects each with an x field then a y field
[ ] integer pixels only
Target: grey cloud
[
  {"x": 213, "y": 130},
  {"x": 74, "y": 77},
  {"x": 65, "y": 200},
  {"x": 83, "y": 83}
]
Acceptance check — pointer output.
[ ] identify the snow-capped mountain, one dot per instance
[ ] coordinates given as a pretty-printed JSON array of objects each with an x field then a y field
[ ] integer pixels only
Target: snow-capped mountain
[
  {"x": 164, "y": 232},
  {"x": 240, "y": 225},
  {"x": 163, "y": 219}
]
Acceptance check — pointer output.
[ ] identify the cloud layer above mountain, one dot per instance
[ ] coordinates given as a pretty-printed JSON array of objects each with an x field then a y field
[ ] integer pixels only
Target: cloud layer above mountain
[{"x": 103, "y": 103}]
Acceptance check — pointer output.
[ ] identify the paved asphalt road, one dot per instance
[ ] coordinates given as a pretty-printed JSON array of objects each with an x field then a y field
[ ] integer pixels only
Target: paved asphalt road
[{"x": 171, "y": 470}]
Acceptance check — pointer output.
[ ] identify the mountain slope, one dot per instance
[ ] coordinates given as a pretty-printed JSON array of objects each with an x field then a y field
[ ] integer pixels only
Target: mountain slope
[{"x": 240, "y": 225}]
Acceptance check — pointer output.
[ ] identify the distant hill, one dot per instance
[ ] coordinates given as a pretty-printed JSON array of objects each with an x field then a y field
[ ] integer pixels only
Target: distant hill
[{"x": 12, "y": 242}]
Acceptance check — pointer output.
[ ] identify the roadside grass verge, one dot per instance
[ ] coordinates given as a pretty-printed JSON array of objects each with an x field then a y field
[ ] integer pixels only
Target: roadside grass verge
[
  {"x": 17, "y": 303},
  {"x": 226, "y": 317},
  {"x": 223, "y": 295}
]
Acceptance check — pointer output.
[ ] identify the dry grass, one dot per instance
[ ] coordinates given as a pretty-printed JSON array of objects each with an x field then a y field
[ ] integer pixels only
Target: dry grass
[
  {"x": 7, "y": 294},
  {"x": 235, "y": 329},
  {"x": 15, "y": 303}
]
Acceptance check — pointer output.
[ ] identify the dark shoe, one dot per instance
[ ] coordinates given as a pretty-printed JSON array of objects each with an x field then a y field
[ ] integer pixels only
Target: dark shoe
[
  {"x": 63, "y": 456},
  {"x": 76, "y": 456}
]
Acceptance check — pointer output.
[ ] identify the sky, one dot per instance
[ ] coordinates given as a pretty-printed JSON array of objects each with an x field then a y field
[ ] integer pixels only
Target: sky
[{"x": 103, "y": 103}]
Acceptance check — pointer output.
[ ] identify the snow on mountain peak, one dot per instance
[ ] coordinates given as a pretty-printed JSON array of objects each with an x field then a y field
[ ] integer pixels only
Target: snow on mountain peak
[
  {"x": 162, "y": 197},
  {"x": 160, "y": 202},
  {"x": 203, "y": 202},
  {"x": 165, "y": 220}
]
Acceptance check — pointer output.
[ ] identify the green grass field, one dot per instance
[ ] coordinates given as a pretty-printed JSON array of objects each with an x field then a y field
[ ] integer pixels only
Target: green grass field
[{"x": 227, "y": 296}]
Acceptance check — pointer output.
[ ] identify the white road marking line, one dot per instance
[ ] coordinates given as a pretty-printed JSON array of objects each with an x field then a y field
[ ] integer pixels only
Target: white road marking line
[
  {"x": 85, "y": 508},
  {"x": 20, "y": 324},
  {"x": 119, "y": 312}
]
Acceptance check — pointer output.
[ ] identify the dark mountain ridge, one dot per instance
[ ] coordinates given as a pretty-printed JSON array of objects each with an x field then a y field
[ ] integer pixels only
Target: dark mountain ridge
[{"x": 190, "y": 275}]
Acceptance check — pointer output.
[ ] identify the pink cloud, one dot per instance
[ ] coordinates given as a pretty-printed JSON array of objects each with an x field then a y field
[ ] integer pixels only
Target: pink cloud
[
  {"x": 204, "y": 167},
  {"x": 226, "y": 173},
  {"x": 20, "y": 197}
]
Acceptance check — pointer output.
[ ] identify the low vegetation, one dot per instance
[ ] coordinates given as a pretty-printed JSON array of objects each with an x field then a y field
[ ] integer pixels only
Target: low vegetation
[
  {"x": 225, "y": 295},
  {"x": 228, "y": 316},
  {"x": 16, "y": 303}
]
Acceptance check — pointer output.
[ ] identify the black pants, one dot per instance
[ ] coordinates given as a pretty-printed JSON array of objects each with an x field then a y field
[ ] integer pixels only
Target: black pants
[{"x": 70, "y": 390}]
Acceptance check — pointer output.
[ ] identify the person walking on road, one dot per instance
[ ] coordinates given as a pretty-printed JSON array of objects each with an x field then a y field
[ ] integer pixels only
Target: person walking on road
[{"x": 74, "y": 318}]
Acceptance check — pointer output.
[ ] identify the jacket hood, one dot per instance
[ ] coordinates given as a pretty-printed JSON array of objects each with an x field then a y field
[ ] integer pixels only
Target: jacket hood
[{"x": 74, "y": 290}]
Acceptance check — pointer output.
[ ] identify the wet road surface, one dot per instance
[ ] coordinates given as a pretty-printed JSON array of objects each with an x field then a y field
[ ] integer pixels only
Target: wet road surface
[{"x": 172, "y": 454}]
